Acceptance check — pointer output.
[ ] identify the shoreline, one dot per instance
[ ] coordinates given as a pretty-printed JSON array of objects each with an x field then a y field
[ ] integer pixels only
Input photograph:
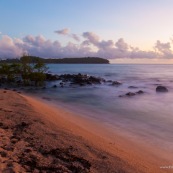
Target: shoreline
[
  {"x": 89, "y": 123},
  {"x": 79, "y": 132}
]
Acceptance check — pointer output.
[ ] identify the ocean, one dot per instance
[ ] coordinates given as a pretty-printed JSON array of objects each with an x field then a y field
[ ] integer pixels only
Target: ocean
[{"x": 147, "y": 118}]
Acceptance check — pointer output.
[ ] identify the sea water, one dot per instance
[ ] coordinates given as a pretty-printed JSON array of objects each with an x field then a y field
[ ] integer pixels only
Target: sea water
[{"x": 144, "y": 117}]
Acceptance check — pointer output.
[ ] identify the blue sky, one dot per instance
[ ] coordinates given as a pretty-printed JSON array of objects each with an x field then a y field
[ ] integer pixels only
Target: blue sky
[{"x": 139, "y": 23}]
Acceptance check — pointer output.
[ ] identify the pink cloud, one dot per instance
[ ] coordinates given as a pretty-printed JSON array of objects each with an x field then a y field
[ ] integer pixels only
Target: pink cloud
[
  {"x": 64, "y": 31},
  {"x": 40, "y": 46},
  {"x": 91, "y": 37},
  {"x": 75, "y": 37},
  {"x": 8, "y": 48}
]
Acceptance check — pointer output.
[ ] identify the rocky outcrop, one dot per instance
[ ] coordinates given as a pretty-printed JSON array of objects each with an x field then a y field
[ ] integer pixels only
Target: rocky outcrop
[
  {"x": 140, "y": 92},
  {"x": 116, "y": 83},
  {"x": 51, "y": 77},
  {"x": 129, "y": 94},
  {"x": 54, "y": 86},
  {"x": 132, "y": 87},
  {"x": 161, "y": 89},
  {"x": 75, "y": 79},
  {"x": 81, "y": 79}
]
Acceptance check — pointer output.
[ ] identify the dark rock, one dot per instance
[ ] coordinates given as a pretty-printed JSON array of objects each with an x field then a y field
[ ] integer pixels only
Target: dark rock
[
  {"x": 54, "y": 86},
  {"x": 161, "y": 89},
  {"x": 116, "y": 83},
  {"x": 79, "y": 74},
  {"x": 66, "y": 77},
  {"x": 82, "y": 84},
  {"x": 140, "y": 92},
  {"x": 80, "y": 79},
  {"x": 89, "y": 83},
  {"x": 132, "y": 87},
  {"x": 50, "y": 77},
  {"x": 95, "y": 80},
  {"x": 62, "y": 84},
  {"x": 130, "y": 94}
]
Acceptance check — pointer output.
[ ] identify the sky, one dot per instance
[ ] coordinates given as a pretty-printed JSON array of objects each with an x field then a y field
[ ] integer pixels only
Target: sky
[{"x": 123, "y": 31}]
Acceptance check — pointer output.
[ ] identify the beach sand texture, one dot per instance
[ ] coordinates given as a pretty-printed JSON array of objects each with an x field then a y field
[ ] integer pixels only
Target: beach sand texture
[{"x": 35, "y": 137}]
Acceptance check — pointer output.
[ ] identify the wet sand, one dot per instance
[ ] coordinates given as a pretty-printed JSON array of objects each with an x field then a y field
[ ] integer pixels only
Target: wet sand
[{"x": 36, "y": 137}]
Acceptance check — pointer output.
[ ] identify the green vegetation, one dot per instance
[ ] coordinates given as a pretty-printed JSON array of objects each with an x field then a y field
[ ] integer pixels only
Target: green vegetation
[
  {"x": 31, "y": 70},
  {"x": 84, "y": 60},
  {"x": 27, "y": 71}
]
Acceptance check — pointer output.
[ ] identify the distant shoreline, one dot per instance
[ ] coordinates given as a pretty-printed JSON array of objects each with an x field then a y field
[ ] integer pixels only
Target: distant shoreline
[{"x": 82, "y": 60}]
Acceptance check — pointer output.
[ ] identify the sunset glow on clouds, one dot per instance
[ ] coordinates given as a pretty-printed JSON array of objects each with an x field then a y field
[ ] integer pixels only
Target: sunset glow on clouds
[
  {"x": 40, "y": 46},
  {"x": 121, "y": 31}
]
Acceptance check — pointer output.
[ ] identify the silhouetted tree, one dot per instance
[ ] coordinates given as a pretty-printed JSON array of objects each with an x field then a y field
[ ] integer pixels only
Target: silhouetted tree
[
  {"x": 10, "y": 70},
  {"x": 30, "y": 69},
  {"x": 33, "y": 69},
  {"x": 38, "y": 75}
]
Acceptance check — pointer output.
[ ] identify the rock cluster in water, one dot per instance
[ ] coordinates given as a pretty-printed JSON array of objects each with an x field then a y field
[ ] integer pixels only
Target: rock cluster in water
[
  {"x": 79, "y": 79},
  {"x": 132, "y": 93},
  {"x": 75, "y": 79}
]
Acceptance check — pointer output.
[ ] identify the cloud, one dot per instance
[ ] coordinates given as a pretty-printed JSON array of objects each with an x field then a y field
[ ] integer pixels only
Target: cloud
[
  {"x": 37, "y": 41},
  {"x": 122, "y": 45},
  {"x": 90, "y": 45},
  {"x": 75, "y": 37},
  {"x": 91, "y": 37},
  {"x": 118, "y": 50},
  {"x": 164, "y": 48},
  {"x": 64, "y": 31},
  {"x": 9, "y": 47},
  {"x": 40, "y": 46}
]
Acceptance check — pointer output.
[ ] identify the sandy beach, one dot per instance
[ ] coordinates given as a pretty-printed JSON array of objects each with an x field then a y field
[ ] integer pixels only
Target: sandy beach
[{"x": 37, "y": 137}]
